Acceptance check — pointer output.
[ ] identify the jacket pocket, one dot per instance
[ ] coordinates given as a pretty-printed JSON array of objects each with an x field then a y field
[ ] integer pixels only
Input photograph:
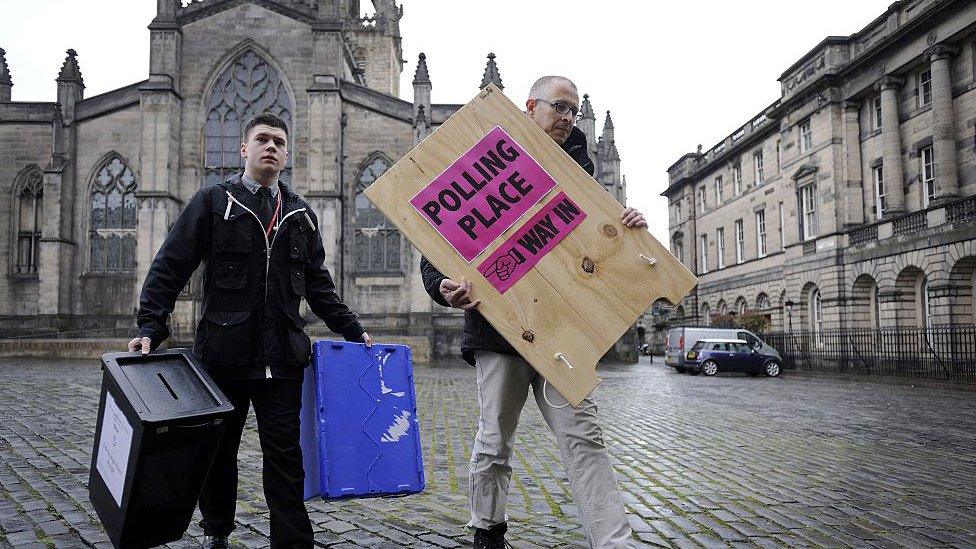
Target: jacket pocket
[
  {"x": 297, "y": 244},
  {"x": 227, "y": 338},
  {"x": 233, "y": 236},
  {"x": 298, "y": 280},
  {"x": 298, "y": 342},
  {"x": 230, "y": 275}
]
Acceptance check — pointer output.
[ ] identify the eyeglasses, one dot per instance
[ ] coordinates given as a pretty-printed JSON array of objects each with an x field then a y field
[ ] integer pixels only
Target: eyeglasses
[{"x": 561, "y": 108}]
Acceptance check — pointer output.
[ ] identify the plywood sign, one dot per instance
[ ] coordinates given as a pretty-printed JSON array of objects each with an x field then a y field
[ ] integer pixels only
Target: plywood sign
[{"x": 489, "y": 197}]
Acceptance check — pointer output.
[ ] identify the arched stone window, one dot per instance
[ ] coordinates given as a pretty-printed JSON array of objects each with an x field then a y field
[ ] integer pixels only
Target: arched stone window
[
  {"x": 28, "y": 219},
  {"x": 112, "y": 226},
  {"x": 248, "y": 86},
  {"x": 816, "y": 314},
  {"x": 762, "y": 302},
  {"x": 706, "y": 315},
  {"x": 377, "y": 241}
]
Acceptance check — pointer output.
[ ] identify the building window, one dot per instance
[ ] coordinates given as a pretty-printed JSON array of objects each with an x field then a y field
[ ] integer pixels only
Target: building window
[
  {"x": 925, "y": 88},
  {"x": 806, "y": 136},
  {"x": 737, "y": 180},
  {"x": 877, "y": 174},
  {"x": 718, "y": 190},
  {"x": 876, "y": 110},
  {"x": 779, "y": 156},
  {"x": 676, "y": 212},
  {"x": 679, "y": 251},
  {"x": 758, "y": 163},
  {"x": 761, "y": 233},
  {"x": 112, "y": 230},
  {"x": 816, "y": 315},
  {"x": 782, "y": 227},
  {"x": 740, "y": 241},
  {"x": 720, "y": 246},
  {"x": 247, "y": 87},
  {"x": 29, "y": 189},
  {"x": 704, "y": 254},
  {"x": 928, "y": 175},
  {"x": 808, "y": 209},
  {"x": 701, "y": 199},
  {"x": 377, "y": 241}
]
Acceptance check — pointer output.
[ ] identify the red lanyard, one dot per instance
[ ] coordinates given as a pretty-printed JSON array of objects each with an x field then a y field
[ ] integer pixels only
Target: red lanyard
[{"x": 274, "y": 219}]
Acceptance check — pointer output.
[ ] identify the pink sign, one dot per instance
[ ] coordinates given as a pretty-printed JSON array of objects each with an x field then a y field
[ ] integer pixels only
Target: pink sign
[
  {"x": 483, "y": 193},
  {"x": 533, "y": 240}
]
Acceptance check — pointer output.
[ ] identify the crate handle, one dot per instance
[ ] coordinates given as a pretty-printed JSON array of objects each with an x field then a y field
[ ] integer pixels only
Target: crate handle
[{"x": 562, "y": 357}]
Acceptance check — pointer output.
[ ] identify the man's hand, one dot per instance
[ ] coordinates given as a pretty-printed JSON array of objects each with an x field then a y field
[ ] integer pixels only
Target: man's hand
[
  {"x": 633, "y": 218},
  {"x": 367, "y": 340},
  {"x": 458, "y": 295},
  {"x": 140, "y": 343}
]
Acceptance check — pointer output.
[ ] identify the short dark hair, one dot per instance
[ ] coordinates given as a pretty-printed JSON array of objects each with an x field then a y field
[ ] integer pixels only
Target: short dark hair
[{"x": 267, "y": 119}]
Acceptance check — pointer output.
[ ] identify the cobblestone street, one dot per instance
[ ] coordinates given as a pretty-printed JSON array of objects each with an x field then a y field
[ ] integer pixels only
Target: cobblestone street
[{"x": 703, "y": 462}]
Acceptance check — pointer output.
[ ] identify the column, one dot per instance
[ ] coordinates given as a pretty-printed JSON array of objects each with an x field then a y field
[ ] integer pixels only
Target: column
[
  {"x": 853, "y": 195},
  {"x": 943, "y": 127},
  {"x": 891, "y": 143}
]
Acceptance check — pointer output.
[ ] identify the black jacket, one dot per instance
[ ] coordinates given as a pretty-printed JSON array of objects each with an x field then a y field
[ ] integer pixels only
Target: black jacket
[
  {"x": 479, "y": 334},
  {"x": 251, "y": 324}
]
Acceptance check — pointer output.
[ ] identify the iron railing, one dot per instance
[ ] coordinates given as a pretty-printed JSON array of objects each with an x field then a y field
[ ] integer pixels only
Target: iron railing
[{"x": 946, "y": 352}]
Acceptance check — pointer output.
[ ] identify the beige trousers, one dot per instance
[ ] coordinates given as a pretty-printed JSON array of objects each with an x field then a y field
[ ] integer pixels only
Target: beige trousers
[{"x": 503, "y": 383}]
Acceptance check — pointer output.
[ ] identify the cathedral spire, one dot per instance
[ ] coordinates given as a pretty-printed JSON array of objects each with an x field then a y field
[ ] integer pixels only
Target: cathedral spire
[
  {"x": 70, "y": 72},
  {"x": 421, "y": 76},
  {"x": 586, "y": 110},
  {"x": 491, "y": 76},
  {"x": 5, "y": 81},
  {"x": 608, "y": 127}
]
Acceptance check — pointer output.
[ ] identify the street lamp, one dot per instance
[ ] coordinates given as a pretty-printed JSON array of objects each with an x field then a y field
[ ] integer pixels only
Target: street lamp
[{"x": 789, "y": 314}]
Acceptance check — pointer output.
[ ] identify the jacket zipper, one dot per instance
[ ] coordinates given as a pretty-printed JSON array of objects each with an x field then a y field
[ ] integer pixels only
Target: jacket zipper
[{"x": 267, "y": 247}]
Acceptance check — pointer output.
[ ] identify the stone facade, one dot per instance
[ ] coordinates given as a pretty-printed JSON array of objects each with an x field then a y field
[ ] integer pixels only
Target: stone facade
[
  {"x": 96, "y": 182},
  {"x": 863, "y": 213}
]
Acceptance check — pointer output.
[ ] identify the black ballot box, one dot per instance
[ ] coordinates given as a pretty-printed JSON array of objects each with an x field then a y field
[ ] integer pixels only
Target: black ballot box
[{"x": 160, "y": 418}]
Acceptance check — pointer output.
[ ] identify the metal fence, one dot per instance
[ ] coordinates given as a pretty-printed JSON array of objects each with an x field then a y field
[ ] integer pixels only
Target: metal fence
[{"x": 940, "y": 352}]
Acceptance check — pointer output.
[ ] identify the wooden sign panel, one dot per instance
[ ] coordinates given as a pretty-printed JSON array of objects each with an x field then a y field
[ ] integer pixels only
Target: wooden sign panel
[{"x": 489, "y": 197}]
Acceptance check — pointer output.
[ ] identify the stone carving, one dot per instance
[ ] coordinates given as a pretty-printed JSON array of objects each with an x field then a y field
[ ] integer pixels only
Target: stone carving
[{"x": 805, "y": 72}]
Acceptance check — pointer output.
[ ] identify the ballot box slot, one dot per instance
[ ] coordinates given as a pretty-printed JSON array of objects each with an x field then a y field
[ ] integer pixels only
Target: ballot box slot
[
  {"x": 168, "y": 387},
  {"x": 166, "y": 384}
]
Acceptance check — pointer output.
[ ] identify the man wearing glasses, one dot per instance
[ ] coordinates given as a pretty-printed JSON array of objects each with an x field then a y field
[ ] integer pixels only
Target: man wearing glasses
[{"x": 504, "y": 378}]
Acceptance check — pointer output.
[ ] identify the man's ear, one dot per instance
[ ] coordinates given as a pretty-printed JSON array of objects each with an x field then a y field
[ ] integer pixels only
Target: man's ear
[
  {"x": 243, "y": 150},
  {"x": 530, "y": 107}
]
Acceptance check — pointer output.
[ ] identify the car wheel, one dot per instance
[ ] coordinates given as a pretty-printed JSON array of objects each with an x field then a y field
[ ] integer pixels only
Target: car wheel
[
  {"x": 772, "y": 368},
  {"x": 679, "y": 369},
  {"x": 709, "y": 368}
]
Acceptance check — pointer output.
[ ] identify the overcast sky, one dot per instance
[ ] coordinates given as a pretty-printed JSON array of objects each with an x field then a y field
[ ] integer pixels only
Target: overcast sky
[{"x": 673, "y": 74}]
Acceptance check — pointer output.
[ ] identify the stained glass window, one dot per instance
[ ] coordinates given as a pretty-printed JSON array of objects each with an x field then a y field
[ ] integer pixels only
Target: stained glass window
[
  {"x": 377, "y": 241},
  {"x": 29, "y": 192},
  {"x": 249, "y": 86},
  {"x": 112, "y": 231}
]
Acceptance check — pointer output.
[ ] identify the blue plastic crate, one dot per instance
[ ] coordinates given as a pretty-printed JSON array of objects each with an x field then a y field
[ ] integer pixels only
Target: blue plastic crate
[{"x": 365, "y": 422}]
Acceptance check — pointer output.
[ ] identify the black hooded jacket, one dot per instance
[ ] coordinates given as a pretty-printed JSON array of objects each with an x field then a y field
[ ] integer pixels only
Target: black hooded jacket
[
  {"x": 479, "y": 334},
  {"x": 251, "y": 325}
]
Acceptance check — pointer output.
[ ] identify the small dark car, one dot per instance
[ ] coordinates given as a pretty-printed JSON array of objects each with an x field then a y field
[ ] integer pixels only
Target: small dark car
[{"x": 710, "y": 356}]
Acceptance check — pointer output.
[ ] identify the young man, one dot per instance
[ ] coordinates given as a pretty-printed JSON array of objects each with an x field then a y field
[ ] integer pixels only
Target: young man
[
  {"x": 504, "y": 378},
  {"x": 262, "y": 254}
]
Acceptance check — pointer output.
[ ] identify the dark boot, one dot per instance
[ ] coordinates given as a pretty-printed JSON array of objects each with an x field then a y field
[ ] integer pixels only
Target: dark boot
[{"x": 493, "y": 538}]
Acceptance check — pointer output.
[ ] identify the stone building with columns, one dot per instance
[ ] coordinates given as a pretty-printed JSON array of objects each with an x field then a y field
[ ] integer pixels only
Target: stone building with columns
[
  {"x": 850, "y": 202},
  {"x": 94, "y": 183}
]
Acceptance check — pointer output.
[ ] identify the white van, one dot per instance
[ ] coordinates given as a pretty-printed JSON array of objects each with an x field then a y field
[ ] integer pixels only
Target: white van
[{"x": 682, "y": 339}]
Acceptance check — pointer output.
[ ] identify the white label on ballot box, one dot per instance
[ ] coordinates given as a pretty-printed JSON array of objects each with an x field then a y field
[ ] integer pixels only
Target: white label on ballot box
[{"x": 113, "y": 448}]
